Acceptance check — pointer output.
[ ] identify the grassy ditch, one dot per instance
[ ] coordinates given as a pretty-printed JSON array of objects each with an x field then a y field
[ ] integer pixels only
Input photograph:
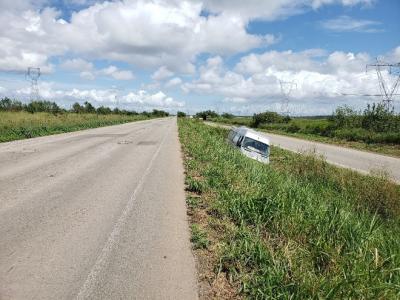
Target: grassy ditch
[
  {"x": 297, "y": 228},
  {"x": 22, "y": 125}
]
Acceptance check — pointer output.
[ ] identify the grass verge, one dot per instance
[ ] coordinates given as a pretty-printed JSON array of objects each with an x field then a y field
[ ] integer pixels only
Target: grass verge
[
  {"x": 22, "y": 125},
  {"x": 297, "y": 228}
]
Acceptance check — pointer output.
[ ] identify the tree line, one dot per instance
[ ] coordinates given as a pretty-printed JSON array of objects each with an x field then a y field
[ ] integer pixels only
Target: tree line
[{"x": 7, "y": 104}]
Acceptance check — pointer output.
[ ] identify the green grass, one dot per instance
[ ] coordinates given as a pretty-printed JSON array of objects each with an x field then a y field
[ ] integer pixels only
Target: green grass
[
  {"x": 297, "y": 228},
  {"x": 198, "y": 237},
  {"x": 22, "y": 125},
  {"x": 310, "y": 129}
]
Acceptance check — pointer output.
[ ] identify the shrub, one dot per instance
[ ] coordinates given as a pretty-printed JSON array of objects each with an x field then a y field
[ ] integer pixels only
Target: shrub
[
  {"x": 267, "y": 117},
  {"x": 227, "y": 116},
  {"x": 207, "y": 114}
]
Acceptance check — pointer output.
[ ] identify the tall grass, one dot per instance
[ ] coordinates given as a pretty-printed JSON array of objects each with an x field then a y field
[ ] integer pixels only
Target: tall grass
[
  {"x": 21, "y": 125},
  {"x": 297, "y": 228}
]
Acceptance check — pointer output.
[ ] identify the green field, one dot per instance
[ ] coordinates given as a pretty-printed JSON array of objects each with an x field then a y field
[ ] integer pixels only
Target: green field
[
  {"x": 298, "y": 228},
  {"x": 319, "y": 129},
  {"x": 22, "y": 125}
]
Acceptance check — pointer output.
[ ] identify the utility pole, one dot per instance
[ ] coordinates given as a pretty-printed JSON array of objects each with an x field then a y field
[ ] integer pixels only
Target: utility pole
[
  {"x": 33, "y": 74},
  {"x": 387, "y": 92}
]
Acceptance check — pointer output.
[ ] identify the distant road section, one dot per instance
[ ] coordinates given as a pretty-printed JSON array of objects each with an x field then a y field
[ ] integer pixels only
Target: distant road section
[
  {"x": 361, "y": 161},
  {"x": 96, "y": 214}
]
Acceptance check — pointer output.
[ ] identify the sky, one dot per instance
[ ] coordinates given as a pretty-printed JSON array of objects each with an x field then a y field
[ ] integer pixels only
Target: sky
[{"x": 232, "y": 56}]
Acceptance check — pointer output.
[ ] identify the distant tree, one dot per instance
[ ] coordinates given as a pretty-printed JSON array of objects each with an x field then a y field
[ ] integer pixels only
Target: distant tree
[
  {"x": 89, "y": 108},
  {"x": 159, "y": 113},
  {"x": 346, "y": 117},
  {"x": 129, "y": 113},
  {"x": 207, "y": 114},
  {"x": 6, "y": 104},
  {"x": 181, "y": 114},
  {"x": 378, "y": 118},
  {"x": 77, "y": 108},
  {"x": 267, "y": 117},
  {"x": 102, "y": 110},
  {"x": 43, "y": 106},
  {"x": 227, "y": 116}
]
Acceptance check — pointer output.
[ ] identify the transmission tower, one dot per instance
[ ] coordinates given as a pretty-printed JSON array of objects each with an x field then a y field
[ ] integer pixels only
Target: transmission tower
[
  {"x": 33, "y": 74},
  {"x": 387, "y": 92},
  {"x": 286, "y": 89}
]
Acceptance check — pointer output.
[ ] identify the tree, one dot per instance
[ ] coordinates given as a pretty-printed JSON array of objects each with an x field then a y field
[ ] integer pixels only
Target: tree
[
  {"x": 77, "y": 108},
  {"x": 267, "y": 117},
  {"x": 346, "y": 117},
  {"x": 43, "y": 106},
  {"x": 89, "y": 108},
  {"x": 207, "y": 114},
  {"x": 227, "y": 116},
  {"x": 102, "y": 110},
  {"x": 159, "y": 113},
  {"x": 181, "y": 114},
  {"x": 6, "y": 104},
  {"x": 378, "y": 118}
]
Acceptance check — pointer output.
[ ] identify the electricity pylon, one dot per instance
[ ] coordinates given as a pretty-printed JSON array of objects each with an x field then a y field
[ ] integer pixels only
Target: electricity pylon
[
  {"x": 33, "y": 74},
  {"x": 387, "y": 92}
]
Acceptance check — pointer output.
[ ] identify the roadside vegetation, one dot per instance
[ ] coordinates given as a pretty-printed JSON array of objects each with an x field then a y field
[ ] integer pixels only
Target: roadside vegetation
[
  {"x": 374, "y": 129},
  {"x": 39, "y": 118},
  {"x": 297, "y": 228}
]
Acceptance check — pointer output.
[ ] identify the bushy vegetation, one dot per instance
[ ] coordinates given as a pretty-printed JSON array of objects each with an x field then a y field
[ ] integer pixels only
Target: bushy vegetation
[
  {"x": 22, "y": 125},
  {"x": 7, "y": 104},
  {"x": 298, "y": 228},
  {"x": 181, "y": 114},
  {"x": 207, "y": 114},
  {"x": 374, "y": 125},
  {"x": 268, "y": 117},
  {"x": 38, "y": 118}
]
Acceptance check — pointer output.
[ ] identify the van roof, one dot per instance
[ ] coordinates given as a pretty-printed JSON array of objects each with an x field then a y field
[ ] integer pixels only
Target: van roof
[{"x": 255, "y": 135}]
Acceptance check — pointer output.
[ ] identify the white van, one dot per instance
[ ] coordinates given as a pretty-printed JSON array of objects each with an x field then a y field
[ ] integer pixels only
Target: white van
[{"x": 251, "y": 143}]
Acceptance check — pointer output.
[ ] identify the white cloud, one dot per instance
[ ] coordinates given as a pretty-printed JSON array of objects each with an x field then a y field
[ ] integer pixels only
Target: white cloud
[
  {"x": 348, "y": 24},
  {"x": 147, "y": 34},
  {"x": 116, "y": 73},
  {"x": 140, "y": 100},
  {"x": 123, "y": 75},
  {"x": 162, "y": 73},
  {"x": 25, "y": 40},
  {"x": 77, "y": 64},
  {"x": 159, "y": 99},
  {"x": 87, "y": 75},
  {"x": 322, "y": 79},
  {"x": 174, "y": 82}
]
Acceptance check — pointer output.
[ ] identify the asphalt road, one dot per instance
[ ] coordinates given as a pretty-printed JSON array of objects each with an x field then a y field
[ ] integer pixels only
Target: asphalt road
[
  {"x": 96, "y": 214},
  {"x": 362, "y": 161}
]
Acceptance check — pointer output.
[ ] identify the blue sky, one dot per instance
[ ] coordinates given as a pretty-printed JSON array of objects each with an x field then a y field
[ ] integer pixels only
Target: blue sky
[{"x": 226, "y": 55}]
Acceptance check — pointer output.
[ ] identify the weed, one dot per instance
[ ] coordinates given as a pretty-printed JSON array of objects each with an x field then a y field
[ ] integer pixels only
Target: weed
[
  {"x": 297, "y": 228},
  {"x": 199, "y": 237}
]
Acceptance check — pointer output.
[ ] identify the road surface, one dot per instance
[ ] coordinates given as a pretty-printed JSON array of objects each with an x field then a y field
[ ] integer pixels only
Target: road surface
[
  {"x": 96, "y": 214},
  {"x": 361, "y": 161}
]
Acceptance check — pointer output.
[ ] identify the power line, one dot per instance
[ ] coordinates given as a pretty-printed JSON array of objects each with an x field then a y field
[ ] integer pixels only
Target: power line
[{"x": 387, "y": 92}]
